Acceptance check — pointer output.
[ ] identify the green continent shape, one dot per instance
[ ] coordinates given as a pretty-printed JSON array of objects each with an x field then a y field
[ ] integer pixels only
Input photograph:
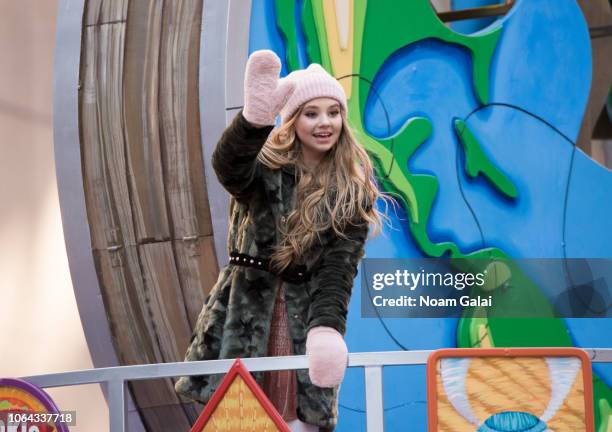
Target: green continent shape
[
  {"x": 391, "y": 25},
  {"x": 313, "y": 49},
  {"x": 603, "y": 412},
  {"x": 395, "y": 182},
  {"x": 516, "y": 297},
  {"x": 392, "y": 180},
  {"x": 476, "y": 161},
  {"x": 319, "y": 20},
  {"x": 413, "y": 134},
  {"x": 285, "y": 21}
]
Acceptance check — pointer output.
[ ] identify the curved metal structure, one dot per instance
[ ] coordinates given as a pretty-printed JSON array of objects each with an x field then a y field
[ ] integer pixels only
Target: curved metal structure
[{"x": 132, "y": 177}]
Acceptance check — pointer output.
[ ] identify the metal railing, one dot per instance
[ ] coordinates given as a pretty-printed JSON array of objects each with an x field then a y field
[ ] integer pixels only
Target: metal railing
[
  {"x": 114, "y": 378},
  {"x": 477, "y": 12}
]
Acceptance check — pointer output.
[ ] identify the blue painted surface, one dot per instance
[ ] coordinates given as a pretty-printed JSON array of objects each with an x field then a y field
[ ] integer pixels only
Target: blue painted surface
[
  {"x": 430, "y": 79},
  {"x": 530, "y": 226},
  {"x": 543, "y": 62},
  {"x": 588, "y": 207},
  {"x": 405, "y": 387},
  {"x": 263, "y": 31},
  {"x": 543, "y": 66}
]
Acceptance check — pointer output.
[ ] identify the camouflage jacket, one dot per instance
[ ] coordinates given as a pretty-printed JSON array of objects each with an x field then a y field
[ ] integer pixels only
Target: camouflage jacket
[{"x": 235, "y": 320}]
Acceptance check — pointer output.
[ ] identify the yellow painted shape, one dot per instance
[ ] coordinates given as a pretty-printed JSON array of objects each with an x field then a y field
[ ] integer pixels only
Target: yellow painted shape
[
  {"x": 497, "y": 384},
  {"x": 339, "y": 21},
  {"x": 483, "y": 336},
  {"x": 239, "y": 411},
  {"x": 571, "y": 415}
]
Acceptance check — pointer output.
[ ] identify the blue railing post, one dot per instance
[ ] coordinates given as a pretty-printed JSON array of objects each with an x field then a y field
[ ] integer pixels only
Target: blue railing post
[{"x": 117, "y": 403}]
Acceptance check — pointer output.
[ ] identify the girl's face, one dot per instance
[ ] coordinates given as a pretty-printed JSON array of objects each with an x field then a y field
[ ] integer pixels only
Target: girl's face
[{"x": 318, "y": 128}]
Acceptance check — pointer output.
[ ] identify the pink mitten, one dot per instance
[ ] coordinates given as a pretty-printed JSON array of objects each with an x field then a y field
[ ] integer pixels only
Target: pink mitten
[
  {"x": 327, "y": 356},
  {"x": 264, "y": 96}
]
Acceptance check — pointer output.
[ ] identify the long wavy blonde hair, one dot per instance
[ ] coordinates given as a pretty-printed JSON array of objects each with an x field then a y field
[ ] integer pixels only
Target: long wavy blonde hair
[{"x": 340, "y": 191}]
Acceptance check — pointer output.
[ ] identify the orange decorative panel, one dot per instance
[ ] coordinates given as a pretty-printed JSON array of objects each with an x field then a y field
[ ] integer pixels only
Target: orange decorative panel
[{"x": 490, "y": 389}]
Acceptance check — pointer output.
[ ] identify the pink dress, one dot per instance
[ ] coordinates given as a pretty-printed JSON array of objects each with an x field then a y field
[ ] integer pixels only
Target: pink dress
[{"x": 281, "y": 386}]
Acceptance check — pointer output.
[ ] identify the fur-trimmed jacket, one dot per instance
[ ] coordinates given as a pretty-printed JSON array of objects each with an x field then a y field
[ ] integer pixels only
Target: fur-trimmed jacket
[{"x": 235, "y": 320}]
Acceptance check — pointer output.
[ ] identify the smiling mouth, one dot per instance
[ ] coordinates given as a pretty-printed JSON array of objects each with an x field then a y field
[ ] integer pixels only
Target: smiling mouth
[{"x": 323, "y": 135}]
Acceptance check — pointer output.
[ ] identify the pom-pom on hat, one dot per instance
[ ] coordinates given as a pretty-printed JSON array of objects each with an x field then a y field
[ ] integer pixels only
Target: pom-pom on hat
[{"x": 311, "y": 83}]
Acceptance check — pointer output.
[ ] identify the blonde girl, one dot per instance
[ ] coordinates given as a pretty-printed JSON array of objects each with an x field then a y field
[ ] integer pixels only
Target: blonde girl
[{"x": 302, "y": 203}]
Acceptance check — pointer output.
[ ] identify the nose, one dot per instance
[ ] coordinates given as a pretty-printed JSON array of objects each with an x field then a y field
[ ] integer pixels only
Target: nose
[{"x": 324, "y": 120}]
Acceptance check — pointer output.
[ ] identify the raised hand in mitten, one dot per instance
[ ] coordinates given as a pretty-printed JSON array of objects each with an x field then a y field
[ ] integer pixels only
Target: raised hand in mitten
[
  {"x": 327, "y": 356},
  {"x": 264, "y": 93}
]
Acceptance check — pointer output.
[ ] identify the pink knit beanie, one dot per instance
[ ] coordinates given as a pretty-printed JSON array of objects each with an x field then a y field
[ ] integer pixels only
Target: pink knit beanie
[{"x": 310, "y": 83}]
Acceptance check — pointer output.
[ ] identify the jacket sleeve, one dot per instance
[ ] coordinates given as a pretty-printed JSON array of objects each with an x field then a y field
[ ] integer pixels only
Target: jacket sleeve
[
  {"x": 235, "y": 157},
  {"x": 333, "y": 279}
]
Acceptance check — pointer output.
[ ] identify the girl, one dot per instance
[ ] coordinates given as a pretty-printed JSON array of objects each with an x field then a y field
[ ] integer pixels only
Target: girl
[{"x": 302, "y": 202}]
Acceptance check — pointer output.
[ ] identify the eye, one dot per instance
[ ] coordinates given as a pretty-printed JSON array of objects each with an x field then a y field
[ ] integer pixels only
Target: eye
[
  {"x": 334, "y": 113},
  {"x": 310, "y": 114}
]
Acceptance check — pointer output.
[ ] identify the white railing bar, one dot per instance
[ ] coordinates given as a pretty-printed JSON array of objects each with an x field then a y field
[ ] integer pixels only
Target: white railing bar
[
  {"x": 374, "y": 398},
  {"x": 388, "y": 358},
  {"x": 165, "y": 370},
  {"x": 599, "y": 355},
  {"x": 115, "y": 377}
]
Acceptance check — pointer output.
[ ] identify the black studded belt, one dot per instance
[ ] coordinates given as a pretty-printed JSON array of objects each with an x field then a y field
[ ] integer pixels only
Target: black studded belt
[{"x": 293, "y": 274}]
